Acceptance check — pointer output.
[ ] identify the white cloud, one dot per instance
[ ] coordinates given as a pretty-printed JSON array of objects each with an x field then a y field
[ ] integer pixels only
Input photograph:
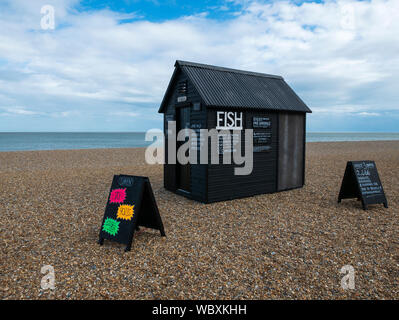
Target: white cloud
[
  {"x": 93, "y": 63},
  {"x": 18, "y": 111},
  {"x": 65, "y": 114},
  {"x": 124, "y": 114},
  {"x": 369, "y": 114}
]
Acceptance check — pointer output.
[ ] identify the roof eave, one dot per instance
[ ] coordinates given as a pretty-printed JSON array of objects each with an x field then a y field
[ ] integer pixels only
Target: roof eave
[{"x": 260, "y": 108}]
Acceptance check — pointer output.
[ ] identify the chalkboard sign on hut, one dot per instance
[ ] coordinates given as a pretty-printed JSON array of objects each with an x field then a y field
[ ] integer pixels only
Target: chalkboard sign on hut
[
  {"x": 200, "y": 97},
  {"x": 361, "y": 181},
  {"x": 130, "y": 204}
]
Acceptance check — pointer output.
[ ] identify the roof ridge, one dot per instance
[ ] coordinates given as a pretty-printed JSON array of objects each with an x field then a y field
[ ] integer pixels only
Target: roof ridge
[{"x": 182, "y": 63}]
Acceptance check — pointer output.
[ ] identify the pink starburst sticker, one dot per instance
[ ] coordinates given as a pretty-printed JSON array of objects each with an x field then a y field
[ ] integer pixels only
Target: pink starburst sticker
[{"x": 117, "y": 196}]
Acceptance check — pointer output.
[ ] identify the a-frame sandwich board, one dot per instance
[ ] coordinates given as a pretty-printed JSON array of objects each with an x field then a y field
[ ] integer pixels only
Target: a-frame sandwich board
[
  {"x": 361, "y": 181},
  {"x": 131, "y": 204}
]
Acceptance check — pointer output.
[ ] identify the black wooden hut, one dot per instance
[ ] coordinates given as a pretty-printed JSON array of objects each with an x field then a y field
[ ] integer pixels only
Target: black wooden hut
[{"x": 197, "y": 97}]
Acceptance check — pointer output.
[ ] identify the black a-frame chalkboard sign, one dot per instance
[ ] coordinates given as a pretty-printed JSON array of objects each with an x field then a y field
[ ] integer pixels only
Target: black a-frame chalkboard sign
[
  {"x": 361, "y": 181},
  {"x": 131, "y": 203}
]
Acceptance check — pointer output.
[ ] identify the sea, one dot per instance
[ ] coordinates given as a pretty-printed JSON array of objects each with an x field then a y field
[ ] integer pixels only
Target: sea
[{"x": 21, "y": 141}]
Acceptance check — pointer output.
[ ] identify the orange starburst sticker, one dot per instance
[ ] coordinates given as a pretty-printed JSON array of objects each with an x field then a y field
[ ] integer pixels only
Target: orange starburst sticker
[{"x": 125, "y": 212}]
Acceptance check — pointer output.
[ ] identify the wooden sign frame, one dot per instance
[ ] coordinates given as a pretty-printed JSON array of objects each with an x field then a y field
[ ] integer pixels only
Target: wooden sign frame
[{"x": 361, "y": 181}]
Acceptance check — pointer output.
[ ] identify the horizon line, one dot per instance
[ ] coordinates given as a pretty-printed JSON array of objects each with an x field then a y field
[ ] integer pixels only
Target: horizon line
[{"x": 162, "y": 130}]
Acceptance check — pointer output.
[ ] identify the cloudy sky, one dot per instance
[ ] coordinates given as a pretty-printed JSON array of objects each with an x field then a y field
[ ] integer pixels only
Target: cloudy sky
[{"x": 106, "y": 64}]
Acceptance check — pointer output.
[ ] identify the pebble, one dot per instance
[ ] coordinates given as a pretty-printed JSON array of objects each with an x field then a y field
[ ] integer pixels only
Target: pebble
[{"x": 52, "y": 204}]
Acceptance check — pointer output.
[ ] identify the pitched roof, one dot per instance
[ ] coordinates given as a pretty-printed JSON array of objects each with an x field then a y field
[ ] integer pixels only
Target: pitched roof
[{"x": 224, "y": 87}]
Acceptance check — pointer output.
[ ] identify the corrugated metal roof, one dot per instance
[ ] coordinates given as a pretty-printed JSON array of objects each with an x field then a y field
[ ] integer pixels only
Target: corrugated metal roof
[{"x": 223, "y": 87}]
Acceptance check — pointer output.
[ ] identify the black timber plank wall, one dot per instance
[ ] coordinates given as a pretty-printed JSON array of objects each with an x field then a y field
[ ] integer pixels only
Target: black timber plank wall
[
  {"x": 224, "y": 185},
  {"x": 169, "y": 170},
  {"x": 197, "y": 171}
]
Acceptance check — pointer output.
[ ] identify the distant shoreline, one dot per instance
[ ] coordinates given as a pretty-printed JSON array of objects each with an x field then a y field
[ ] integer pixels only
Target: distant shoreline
[
  {"x": 40, "y": 141},
  {"x": 106, "y": 132},
  {"x": 139, "y": 148}
]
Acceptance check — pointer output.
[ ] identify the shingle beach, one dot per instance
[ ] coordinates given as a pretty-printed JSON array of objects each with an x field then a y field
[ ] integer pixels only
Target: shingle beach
[{"x": 288, "y": 245}]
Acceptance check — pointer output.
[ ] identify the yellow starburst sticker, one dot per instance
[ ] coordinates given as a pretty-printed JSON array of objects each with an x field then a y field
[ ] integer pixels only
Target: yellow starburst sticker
[{"x": 125, "y": 212}]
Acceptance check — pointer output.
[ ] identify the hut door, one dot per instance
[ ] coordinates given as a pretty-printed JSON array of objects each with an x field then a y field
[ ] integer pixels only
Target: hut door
[
  {"x": 291, "y": 151},
  {"x": 183, "y": 171}
]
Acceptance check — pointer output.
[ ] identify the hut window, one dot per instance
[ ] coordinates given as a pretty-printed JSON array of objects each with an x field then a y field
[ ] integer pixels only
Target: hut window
[{"x": 182, "y": 87}]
